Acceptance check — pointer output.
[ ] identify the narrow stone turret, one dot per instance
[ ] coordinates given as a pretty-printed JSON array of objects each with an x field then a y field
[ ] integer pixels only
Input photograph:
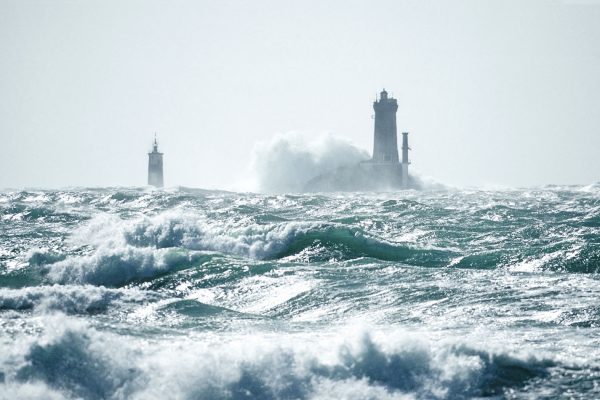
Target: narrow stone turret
[
  {"x": 155, "y": 166},
  {"x": 405, "y": 161}
]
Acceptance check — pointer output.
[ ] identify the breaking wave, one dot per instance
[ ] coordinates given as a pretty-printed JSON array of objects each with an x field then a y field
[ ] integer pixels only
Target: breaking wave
[
  {"x": 74, "y": 360},
  {"x": 68, "y": 299},
  {"x": 117, "y": 267},
  {"x": 139, "y": 249}
]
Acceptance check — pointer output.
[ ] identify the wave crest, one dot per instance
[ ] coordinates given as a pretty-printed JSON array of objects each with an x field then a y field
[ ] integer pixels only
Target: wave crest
[
  {"x": 68, "y": 299},
  {"x": 119, "y": 266},
  {"x": 79, "y": 361},
  {"x": 145, "y": 248}
]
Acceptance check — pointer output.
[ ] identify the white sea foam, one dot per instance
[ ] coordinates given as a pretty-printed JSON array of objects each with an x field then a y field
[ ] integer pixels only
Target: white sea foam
[
  {"x": 591, "y": 188},
  {"x": 29, "y": 391},
  {"x": 69, "y": 299},
  {"x": 126, "y": 250},
  {"x": 179, "y": 228},
  {"x": 78, "y": 361},
  {"x": 117, "y": 266},
  {"x": 145, "y": 247},
  {"x": 68, "y": 357}
]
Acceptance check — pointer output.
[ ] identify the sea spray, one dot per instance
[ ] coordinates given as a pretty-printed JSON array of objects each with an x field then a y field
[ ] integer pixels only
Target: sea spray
[
  {"x": 78, "y": 360},
  {"x": 288, "y": 161},
  {"x": 293, "y": 163}
]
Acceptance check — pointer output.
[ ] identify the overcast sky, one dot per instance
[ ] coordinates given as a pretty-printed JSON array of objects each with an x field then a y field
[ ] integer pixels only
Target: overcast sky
[{"x": 492, "y": 92}]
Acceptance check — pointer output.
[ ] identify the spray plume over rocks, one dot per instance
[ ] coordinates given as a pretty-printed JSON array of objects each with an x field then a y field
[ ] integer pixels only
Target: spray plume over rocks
[
  {"x": 292, "y": 163},
  {"x": 288, "y": 162}
]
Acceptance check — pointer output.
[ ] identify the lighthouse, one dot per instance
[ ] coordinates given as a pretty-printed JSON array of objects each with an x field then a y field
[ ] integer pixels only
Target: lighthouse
[
  {"x": 155, "y": 166},
  {"x": 385, "y": 142},
  {"x": 383, "y": 171}
]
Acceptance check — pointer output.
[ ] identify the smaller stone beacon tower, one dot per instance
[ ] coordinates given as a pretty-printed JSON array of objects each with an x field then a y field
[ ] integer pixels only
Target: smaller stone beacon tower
[{"x": 155, "y": 166}]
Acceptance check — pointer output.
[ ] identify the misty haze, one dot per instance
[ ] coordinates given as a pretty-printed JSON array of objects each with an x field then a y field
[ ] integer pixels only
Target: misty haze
[{"x": 299, "y": 200}]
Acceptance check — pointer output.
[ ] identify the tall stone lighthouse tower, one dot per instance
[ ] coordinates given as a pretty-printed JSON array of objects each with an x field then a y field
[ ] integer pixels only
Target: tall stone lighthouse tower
[
  {"x": 155, "y": 166},
  {"x": 385, "y": 143}
]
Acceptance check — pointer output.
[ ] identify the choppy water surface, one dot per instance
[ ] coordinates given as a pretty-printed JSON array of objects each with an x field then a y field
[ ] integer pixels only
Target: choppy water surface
[{"x": 189, "y": 294}]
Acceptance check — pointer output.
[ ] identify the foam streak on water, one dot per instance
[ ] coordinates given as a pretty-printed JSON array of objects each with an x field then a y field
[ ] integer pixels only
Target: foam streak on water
[{"x": 191, "y": 294}]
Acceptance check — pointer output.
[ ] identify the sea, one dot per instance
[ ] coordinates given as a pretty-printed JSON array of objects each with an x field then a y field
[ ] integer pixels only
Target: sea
[{"x": 137, "y": 293}]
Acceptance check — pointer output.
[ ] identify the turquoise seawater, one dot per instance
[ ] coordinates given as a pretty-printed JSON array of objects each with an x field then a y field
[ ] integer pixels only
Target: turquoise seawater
[{"x": 190, "y": 294}]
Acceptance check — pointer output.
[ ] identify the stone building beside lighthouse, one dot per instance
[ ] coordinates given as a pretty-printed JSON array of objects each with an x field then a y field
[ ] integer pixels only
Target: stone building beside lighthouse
[{"x": 155, "y": 167}]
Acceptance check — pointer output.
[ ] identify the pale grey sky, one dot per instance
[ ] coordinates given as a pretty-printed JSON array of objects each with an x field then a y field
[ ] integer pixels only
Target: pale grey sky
[{"x": 493, "y": 92}]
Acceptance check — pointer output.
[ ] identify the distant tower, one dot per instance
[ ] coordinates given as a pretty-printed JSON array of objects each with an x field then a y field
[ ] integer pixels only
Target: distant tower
[
  {"x": 405, "y": 161},
  {"x": 385, "y": 144},
  {"x": 155, "y": 166}
]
